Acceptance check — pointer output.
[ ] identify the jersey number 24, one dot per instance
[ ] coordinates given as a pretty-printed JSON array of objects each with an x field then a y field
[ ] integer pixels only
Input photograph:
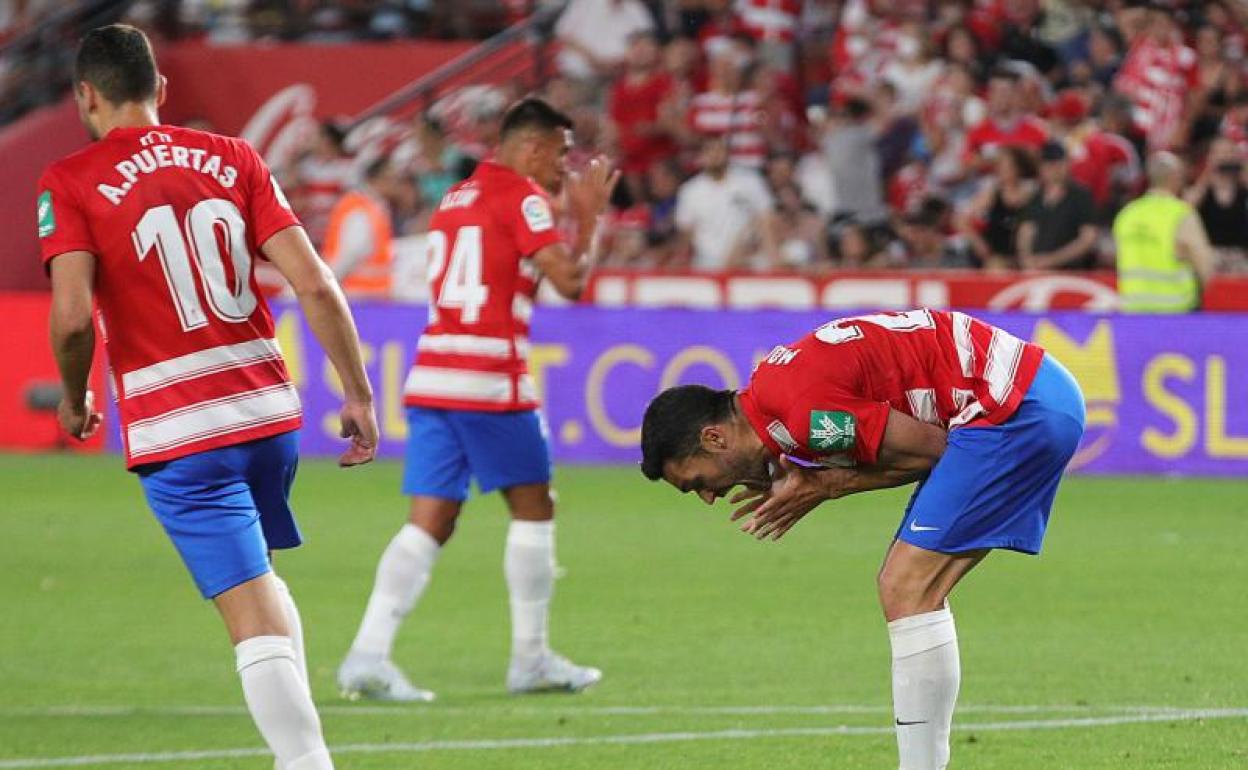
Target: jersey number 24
[{"x": 457, "y": 285}]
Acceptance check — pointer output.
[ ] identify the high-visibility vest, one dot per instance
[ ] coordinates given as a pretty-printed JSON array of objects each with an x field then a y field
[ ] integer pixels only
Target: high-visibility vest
[
  {"x": 373, "y": 274},
  {"x": 1151, "y": 277}
]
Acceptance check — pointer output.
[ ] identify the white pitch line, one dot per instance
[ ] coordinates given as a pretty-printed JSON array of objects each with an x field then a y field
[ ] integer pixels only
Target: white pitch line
[
  {"x": 600, "y": 740},
  {"x": 435, "y": 710}
]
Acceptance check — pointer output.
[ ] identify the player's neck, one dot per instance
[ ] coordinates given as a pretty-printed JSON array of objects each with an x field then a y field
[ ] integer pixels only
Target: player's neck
[{"x": 130, "y": 115}]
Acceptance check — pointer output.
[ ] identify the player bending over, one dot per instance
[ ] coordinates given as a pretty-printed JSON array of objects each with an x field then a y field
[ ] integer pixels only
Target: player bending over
[
  {"x": 159, "y": 227},
  {"x": 472, "y": 408},
  {"x": 984, "y": 422}
]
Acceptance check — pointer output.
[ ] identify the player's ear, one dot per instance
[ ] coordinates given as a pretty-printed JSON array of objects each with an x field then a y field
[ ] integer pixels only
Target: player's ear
[
  {"x": 162, "y": 85},
  {"x": 713, "y": 438}
]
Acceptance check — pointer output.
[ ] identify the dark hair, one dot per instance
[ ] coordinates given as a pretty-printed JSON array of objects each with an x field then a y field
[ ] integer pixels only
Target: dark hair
[
  {"x": 673, "y": 424},
  {"x": 117, "y": 60},
  {"x": 530, "y": 113}
]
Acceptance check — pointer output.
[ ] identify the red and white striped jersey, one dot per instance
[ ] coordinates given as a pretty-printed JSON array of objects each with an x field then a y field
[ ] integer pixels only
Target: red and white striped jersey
[
  {"x": 1158, "y": 79},
  {"x": 771, "y": 20},
  {"x": 738, "y": 117},
  {"x": 175, "y": 219},
  {"x": 826, "y": 398},
  {"x": 482, "y": 281}
]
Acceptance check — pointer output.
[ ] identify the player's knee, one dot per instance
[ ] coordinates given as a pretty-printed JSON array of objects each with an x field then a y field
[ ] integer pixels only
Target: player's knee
[
  {"x": 436, "y": 517},
  {"x": 531, "y": 502},
  {"x": 904, "y": 594}
]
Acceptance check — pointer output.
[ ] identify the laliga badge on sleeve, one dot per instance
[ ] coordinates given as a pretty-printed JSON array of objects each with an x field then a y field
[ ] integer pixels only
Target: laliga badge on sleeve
[
  {"x": 832, "y": 431},
  {"x": 537, "y": 214}
]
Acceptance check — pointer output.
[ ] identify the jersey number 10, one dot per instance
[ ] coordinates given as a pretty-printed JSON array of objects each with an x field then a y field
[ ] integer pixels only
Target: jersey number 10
[
  {"x": 461, "y": 287},
  {"x": 231, "y": 301}
]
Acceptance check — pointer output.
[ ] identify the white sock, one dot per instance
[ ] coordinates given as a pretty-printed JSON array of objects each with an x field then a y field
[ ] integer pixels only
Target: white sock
[
  {"x": 278, "y": 700},
  {"x": 926, "y": 674},
  {"x": 402, "y": 575},
  {"x": 529, "y": 564},
  {"x": 296, "y": 628}
]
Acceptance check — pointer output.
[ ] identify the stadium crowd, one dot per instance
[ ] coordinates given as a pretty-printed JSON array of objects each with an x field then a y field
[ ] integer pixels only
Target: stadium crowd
[
  {"x": 810, "y": 136},
  {"x": 807, "y": 135}
]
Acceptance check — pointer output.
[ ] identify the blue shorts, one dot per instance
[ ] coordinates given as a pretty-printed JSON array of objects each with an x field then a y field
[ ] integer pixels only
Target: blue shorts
[
  {"x": 226, "y": 508},
  {"x": 994, "y": 486},
  {"x": 448, "y": 448}
]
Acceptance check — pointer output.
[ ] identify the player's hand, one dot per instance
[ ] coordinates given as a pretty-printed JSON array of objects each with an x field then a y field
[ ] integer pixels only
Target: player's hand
[
  {"x": 752, "y": 497},
  {"x": 589, "y": 191},
  {"x": 359, "y": 423},
  {"x": 794, "y": 495},
  {"x": 79, "y": 420}
]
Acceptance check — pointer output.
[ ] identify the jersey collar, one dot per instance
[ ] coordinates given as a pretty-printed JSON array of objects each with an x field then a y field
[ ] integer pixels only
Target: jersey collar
[{"x": 758, "y": 421}]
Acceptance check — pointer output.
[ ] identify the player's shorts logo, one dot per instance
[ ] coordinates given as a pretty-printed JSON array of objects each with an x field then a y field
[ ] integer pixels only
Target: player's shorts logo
[
  {"x": 47, "y": 220},
  {"x": 832, "y": 431}
]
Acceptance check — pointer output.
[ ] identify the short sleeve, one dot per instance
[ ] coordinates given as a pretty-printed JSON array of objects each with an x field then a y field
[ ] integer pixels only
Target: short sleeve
[
  {"x": 818, "y": 424},
  {"x": 837, "y": 429},
  {"x": 61, "y": 220},
  {"x": 269, "y": 211},
  {"x": 533, "y": 221}
]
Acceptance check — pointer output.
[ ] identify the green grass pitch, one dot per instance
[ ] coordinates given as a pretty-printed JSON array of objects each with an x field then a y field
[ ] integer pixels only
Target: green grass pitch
[{"x": 1124, "y": 646}]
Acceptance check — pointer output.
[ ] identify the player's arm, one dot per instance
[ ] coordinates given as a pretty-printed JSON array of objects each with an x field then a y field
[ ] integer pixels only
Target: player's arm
[
  {"x": 325, "y": 307},
  {"x": 72, "y": 333},
  {"x": 907, "y": 452},
  {"x": 1195, "y": 249},
  {"x": 566, "y": 268}
]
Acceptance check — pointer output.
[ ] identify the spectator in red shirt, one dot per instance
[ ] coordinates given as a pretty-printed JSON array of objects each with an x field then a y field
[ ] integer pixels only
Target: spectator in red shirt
[
  {"x": 1005, "y": 125},
  {"x": 1100, "y": 160},
  {"x": 637, "y": 104}
]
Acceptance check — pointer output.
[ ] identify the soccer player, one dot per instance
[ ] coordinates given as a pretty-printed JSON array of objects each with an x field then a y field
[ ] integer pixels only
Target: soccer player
[
  {"x": 984, "y": 422},
  {"x": 472, "y": 408},
  {"x": 159, "y": 228}
]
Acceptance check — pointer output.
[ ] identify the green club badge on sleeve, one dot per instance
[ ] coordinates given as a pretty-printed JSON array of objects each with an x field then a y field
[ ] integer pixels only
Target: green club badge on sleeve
[
  {"x": 832, "y": 431},
  {"x": 47, "y": 220}
]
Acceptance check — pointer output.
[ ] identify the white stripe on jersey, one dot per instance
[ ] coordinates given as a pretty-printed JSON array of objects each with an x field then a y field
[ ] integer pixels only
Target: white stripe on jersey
[
  {"x": 465, "y": 345},
  {"x": 207, "y": 419},
  {"x": 966, "y": 346},
  {"x": 458, "y": 384},
  {"x": 522, "y": 308},
  {"x": 527, "y": 390},
  {"x": 472, "y": 345},
  {"x": 923, "y": 405},
  {"x": 1004, "y": 353},
  {"x": 198, "y": 364}
]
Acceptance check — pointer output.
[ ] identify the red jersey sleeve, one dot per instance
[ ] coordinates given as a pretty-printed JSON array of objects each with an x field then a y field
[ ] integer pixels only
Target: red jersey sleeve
[
  {"x": 828, "y": 425},
  {"x": 814, "y": 419},
  {"x": 61, "y": 220},
  {"x": 532, "y": 220},
  {"x": 268, "y": 210}
]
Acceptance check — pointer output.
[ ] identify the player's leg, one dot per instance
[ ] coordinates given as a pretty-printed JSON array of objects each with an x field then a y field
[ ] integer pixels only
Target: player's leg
[
  {"x": 509, "y": 452},
  {"x": 914, "y": 585},
  {"x": 205, "y": 504},
  {"x": 271, "y": 475},
  {"x": 275, "y": 688},
  {"x": 436, "y": 477},
  {"x": 993, "y": 488}
]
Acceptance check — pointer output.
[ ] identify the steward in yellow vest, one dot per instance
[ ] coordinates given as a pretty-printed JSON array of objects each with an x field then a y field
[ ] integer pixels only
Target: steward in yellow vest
[{"x": 1164, "y": 254}]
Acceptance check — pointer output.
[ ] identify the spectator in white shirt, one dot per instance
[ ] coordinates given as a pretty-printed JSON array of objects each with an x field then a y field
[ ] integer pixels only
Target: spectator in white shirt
[
  {"x": 595, "y": 35},
  {"x": 725, "y": 214}
]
